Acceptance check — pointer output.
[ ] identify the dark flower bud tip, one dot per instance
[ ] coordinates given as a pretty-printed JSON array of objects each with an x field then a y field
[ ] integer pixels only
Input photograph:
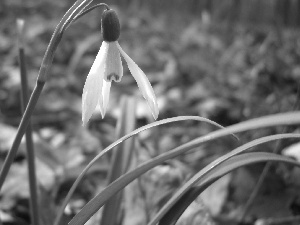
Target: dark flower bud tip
[{"x": 110, "y": 26}]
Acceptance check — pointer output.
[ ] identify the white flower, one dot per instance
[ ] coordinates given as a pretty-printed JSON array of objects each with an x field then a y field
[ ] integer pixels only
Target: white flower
[{"x": 107, "y": 67}]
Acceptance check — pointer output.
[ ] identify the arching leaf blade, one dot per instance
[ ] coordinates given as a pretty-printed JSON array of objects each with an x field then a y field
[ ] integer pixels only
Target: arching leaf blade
[
  {"x": 196, "y": 178},
  {"x": 174, "y": 213},
  {"x": 97, "y": 202}
]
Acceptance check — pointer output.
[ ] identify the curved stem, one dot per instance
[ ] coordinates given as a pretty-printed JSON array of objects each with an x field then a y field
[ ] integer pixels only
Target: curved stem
[
  {"x": 85, "y": 11},
  {"x": 41, "y": 80},
  {"x": 57, "y": 35},
  {"x": 90, "y": 9}
]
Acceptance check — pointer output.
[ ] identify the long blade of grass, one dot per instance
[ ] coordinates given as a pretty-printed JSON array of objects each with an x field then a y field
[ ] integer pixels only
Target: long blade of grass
[
  {"x": 129, "y": 126},
  {"x": 120, "y": 160},
  {"x": 97, "y": 202},
  {"x": 266, "y": 169},
  {"x": 34, "y": 208},
  {"x": 212, "y": 165},
  {"x": 174, "y": 213},
  {"x": 116, "y": 143}
]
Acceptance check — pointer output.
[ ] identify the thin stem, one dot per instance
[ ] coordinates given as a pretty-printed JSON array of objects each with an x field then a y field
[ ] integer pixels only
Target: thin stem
[
  {"x": 90, "y": 9},
  {"x": 41, "y": 80},
  {"x": 29, "y": 142},
  {"x": 266, "y": 169},
  {"x": 57, "y": 35}
]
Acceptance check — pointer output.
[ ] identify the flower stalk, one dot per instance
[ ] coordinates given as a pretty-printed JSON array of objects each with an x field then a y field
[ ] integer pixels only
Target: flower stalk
[
  {"x": 85, "y": 11},
  {"x": 77, "y": 7}
]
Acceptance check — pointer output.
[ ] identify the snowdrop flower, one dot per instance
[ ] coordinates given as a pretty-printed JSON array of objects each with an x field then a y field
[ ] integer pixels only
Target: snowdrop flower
[{"x": 107, "y": 67}]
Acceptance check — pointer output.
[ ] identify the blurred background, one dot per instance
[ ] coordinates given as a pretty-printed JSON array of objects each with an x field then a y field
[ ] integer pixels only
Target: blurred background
[{"x": 228, "y": 61}]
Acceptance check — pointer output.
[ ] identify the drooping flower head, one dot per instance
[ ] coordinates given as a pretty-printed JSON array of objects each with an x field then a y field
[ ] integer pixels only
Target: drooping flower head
[{"x": 107, "y": 67}]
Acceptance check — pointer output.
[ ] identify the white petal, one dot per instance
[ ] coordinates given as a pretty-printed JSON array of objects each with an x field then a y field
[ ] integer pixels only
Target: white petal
[
  {"x": 143, "y": 83},
  {"x": 113, "y": 65},
  {"x": 93, "y": 84},
  {"x": 105, "y": 96}
]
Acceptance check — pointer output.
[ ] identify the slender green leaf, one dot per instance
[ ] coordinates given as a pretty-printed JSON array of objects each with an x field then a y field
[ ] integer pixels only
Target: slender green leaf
[
  {"x": 174, "y": 213},
  {"x": 120, "y": 159},
  {"x": 116, "y": 143},
  {"x": 212, "y": 165},
  {"x": 92, "y": 206},
  {"x": 34, "y": 206}
]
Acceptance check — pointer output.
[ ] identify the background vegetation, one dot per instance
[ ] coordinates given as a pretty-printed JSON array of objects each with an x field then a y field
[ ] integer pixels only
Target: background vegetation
[{"x": 225, "y": 60}]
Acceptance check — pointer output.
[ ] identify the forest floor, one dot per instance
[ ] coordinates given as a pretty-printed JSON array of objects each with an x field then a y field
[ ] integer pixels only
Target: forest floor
[{"x": 225, "y": 72}]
